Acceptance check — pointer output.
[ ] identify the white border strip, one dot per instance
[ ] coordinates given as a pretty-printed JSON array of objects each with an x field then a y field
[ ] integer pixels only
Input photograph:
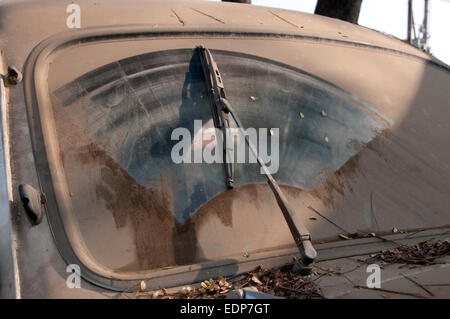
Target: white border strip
[{"x": 6, "y": 160}]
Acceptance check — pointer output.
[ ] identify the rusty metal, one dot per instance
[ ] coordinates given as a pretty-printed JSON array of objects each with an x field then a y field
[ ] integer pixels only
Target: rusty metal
[{"x": 13, "y": 77}]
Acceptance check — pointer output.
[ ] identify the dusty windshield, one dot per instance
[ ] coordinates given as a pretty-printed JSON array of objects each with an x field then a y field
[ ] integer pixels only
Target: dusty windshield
[{"x": 115, "y": 126}]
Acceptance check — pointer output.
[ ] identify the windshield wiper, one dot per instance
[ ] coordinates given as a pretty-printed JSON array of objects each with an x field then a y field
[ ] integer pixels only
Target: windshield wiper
[
  {"x": 221, "y": 119},
  {"x": 222, "y": 110}
]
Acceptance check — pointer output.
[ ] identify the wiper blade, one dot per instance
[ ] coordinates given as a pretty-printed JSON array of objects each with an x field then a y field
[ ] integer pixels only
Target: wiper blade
[
  {"x": 223, "y": 108},
  {"x": 221, "y": 118}
]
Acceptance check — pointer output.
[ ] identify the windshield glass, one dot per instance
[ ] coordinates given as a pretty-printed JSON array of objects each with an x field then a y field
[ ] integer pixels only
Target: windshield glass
[{"x": 139, "y": 210}]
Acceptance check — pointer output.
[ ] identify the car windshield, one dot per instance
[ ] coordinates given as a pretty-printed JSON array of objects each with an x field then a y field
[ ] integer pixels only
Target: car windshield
[{"x": 136, "y": 209}]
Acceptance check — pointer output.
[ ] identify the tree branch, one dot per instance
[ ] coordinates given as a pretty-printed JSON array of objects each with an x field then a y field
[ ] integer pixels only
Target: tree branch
[{"x": 347, "y": 10}]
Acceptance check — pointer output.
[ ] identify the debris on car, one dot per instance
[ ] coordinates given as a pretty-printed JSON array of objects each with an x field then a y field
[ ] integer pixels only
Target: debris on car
[
  {"x": 423, "y": 253},
  {"x": 279, "y": 282}
]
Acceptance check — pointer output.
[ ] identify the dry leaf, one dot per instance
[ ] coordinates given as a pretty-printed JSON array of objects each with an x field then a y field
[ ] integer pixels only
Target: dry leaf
[
  {"x": 344, "y": 236},
  {"x": 256, "y": 280},
  {"x": 156, "y": 294}
]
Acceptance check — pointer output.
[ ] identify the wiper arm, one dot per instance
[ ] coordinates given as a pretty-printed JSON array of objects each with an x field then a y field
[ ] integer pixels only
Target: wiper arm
[
  {"x": 221, "y": 118},
  {"x": 221, "y": 105}
]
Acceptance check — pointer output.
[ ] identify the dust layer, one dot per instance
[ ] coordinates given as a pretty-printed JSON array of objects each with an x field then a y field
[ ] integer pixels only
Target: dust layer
[
  {"x": 338, "y": 183},
  {"x": 160, "y": 240}
]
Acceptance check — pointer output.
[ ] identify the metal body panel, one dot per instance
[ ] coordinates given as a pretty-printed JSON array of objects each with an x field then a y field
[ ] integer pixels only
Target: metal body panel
[{"x": 399, "y": 180}]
